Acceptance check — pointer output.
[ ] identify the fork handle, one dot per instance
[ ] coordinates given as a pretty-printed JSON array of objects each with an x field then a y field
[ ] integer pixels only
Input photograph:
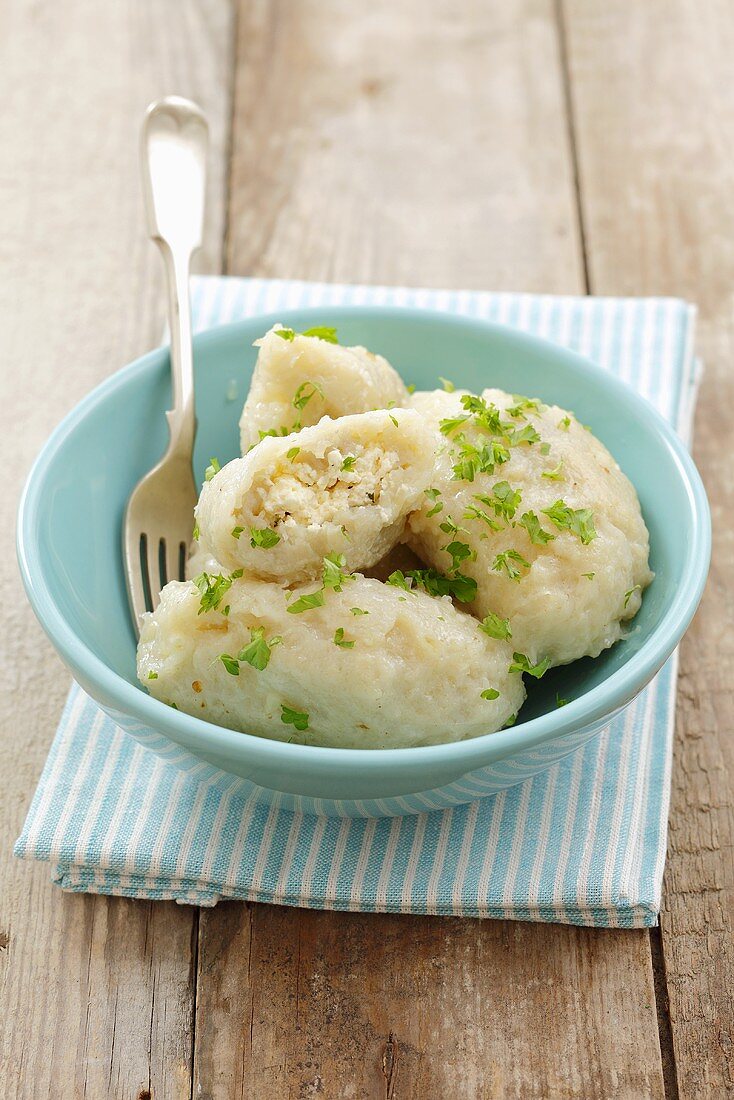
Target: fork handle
[{"x": 174, "y": 150}]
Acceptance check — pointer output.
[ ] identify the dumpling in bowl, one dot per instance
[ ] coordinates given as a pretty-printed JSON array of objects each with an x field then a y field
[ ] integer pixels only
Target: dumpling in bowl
[
  {"x": 300, "y": 378},
  {"x": 341, "y": 487},
  {"x": 528, "y": 504},
  {"x": 352, "y": 664}
]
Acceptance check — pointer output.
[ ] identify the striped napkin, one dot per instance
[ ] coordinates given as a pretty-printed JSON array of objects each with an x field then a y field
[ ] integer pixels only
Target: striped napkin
[{"x": 583, "y": 843}]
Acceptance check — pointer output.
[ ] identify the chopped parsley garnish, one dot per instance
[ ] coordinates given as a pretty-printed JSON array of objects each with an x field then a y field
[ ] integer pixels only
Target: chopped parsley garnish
[
  {"x": 301, "y": 398},
  {"x": 628, "y": 595},
  {"x": 448, "y": 386},
  {"x": 564, "y": 423},
  {"x": 263, "y": 537},
  {"x": 589, "y": 576},
  {"x": 291, "y": 454},
  {"x": 394, "y": 420},
  {"x": 451, "y": 423},
  {"x": 297, "y": 718},
  {"x": 509, "y": 560},
  {"x": 257, "y": 653},
  {"x": 474, "y": 460},
  {"x": 356, "y": 611},
  {"x": 537, "y": 534},
  {"x": 236, "y": 532},
  {"x": 196, "y": 532},
  {"x": 321, "y": 332},
  {"x": 340, "y": 641},
  {"x": 496, "y": 627},
  {"x": 231, "y": 664},
  {"x": 528, "y": 434},
  {"x": 152, "y": 675},
  {"x": 307, "y": 602},
  {"x": 545, "y": 448},
  {"x": 561, "y": 702},
  {"x": 212, "y": 588},
  {"x": 579, "y": 522},
  {"x": 473, "y": 512},
  {"x": 348, "y": 463},
  {"x": 448, "y": 526},
  {"x": 282, "y": 430},
  {"x": 521, "y": 663},
  {"x": 432, "y": 494},
  {"x": 504, "y": 499},
  {"x": 510, "y": 722},
  {"x": 411, "y": 387},
  {"x": 486, "y": 416},
  {"x": 212, "y": 469},
  {"x": 522, "y": 405},
  {"x": 459, "y": 552},
  {"x": 434, "y": 583},
  {"x": 334, "y": 574},
  {"x": 555, "y": 475},
  {"x": 490, "y": 693}
]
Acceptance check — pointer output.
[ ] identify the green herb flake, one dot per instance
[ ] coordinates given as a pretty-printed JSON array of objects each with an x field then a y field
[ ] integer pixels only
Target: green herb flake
[
  {"x": 561, "y": 702},
  {"x": 394, "y": 420},
  {"x": 212, "y": 588},
  {"x": 522, "y": 406},
  {"x": 537, "y": 534},
  {"x": 473, "y": 512},
  {"x": 285, "y": 333},
  {"x": 448, "y": 386},
  {"x": 348, "y": 463},
  {"x": 564, "y": 423},
  {"x": 301, "y": 398},
  {"x": 433, "y": 494},
  {"x": 528, "y": 435},
  {"x": 292, "y": 453},
  {"x": 589, "y": 576},
  {"x": 196, "y": 532},
  {"x": 334, "y": 573},
  {"x": 296, "y": 718},
  {"x": 522, "y": 663},
  {"x": 458, "y": 586},
  {"x": 257, "y": 653},
  {"x": 579, "y": 522},
  {"x": 306, "y": 602},
  {"x": 545, "y": 448},
  {"x": 357, "y": 611},
  {"x": 411, "y": 387},
  {"x": 263, "y": 538},
  {"x": 489, "y": 693},
  {"x": 212, "y": 469},
  {"x": 398, "y": 580},
  {"x": 555, "y": 475},
  {"x": 230, "y": 663},
  {"x": 509, "y": 560},
  {"x": 152, "y": 675},
  {"x": 236, "y": 532},
  {"x": 628, "y": 595},
  {"x": 459, "y": 552},
  {"x": 510, "y": 722},
  {"x": 451, "y": 423},
  {"x": 322, "y": 332},
  {"x": 340, "y": 641},
  {"x": 496, "y": 627}
]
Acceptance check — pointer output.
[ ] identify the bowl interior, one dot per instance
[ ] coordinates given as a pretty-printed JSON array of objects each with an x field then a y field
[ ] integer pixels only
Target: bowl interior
[{"x": 120, "y": 431}]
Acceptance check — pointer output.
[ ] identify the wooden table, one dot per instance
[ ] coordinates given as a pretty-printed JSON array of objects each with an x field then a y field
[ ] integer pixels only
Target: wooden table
[{"x": 570, "y": 146}]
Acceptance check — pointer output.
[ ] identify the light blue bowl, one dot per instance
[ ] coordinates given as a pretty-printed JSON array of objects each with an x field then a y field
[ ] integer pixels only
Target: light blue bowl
[{"x": 69, "y": 552}]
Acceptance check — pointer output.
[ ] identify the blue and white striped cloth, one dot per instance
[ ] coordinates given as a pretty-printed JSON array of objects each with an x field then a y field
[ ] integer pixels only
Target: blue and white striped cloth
[{"x": 583, "y": 844}]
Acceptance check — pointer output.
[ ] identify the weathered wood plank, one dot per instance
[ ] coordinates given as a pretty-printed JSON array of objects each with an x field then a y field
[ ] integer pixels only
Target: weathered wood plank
[
  {"x": 654, "y": 105},
  {"x": 424, "y": 145},
  {"x": 96, "y": 996}
]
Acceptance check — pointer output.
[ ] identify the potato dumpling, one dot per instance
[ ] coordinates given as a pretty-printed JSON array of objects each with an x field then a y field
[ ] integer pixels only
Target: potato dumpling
[
  {"x": 296, "y": 381},
  {"x": 528, "y": 504},
  {"x": 353, "y": 664},
  {"x": 342, "y": 487}
]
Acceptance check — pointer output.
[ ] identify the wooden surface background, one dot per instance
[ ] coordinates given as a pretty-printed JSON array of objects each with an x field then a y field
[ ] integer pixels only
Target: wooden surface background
[{"x": 565, "y": 146}]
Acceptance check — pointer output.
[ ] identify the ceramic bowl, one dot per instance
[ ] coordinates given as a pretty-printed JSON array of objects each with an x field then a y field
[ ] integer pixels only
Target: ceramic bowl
[{"x": 69, "y": 539}]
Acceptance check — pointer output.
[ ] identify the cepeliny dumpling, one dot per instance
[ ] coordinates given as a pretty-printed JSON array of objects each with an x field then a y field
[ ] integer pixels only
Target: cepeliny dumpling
[
  {"x": 371, "y": 666},
  {"x": 551, "y": 527},
  {"x": 342, "y": 487},
  {"x": 298, "y": 380}
]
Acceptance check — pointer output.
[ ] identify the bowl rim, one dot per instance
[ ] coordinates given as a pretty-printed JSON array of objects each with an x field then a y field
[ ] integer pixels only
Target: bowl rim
[{"x": 594, "y": 707}]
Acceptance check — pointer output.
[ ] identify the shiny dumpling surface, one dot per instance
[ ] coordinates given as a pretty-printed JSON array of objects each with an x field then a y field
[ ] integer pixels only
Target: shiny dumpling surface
[
  {"x": 565, "y": 598},
  {"x": 410, "y": 669},
  {"x": 298, "y": 381}
]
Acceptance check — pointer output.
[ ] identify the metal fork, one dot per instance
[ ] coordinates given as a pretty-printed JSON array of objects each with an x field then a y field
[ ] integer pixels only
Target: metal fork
[{"x": 159, "y": 516}]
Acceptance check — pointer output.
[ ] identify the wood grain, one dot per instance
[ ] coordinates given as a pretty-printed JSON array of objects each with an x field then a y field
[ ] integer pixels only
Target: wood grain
[
  {"x": 655, "y": 137},
  {"x": 96, "y": 995},
  {"x": 400, "y": 143}
]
